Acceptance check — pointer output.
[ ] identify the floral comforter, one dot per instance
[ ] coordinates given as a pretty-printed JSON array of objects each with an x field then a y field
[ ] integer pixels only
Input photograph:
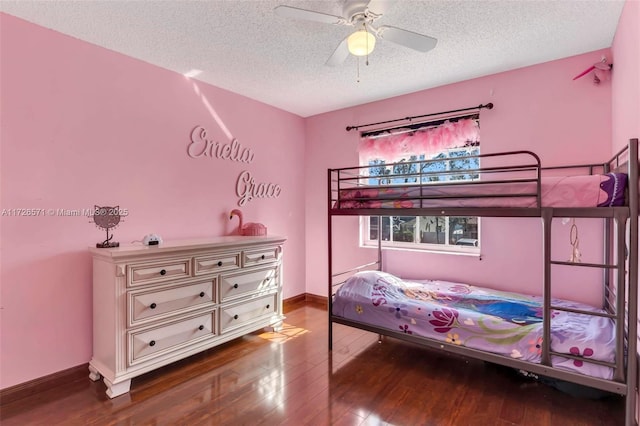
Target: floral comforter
[{"x": 500, "y": 322}]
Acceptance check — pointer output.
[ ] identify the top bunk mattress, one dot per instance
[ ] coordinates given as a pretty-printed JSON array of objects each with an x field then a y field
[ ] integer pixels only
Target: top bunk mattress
[{"x": 605, "y": 190}]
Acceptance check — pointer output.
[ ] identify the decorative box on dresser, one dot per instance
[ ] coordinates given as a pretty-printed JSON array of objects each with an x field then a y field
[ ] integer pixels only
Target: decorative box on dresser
[{"x": 153, "y": 305}]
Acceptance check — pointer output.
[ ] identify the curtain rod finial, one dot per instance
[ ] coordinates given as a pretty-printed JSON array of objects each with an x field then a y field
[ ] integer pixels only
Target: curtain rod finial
[{"x": 489, "y": 105}]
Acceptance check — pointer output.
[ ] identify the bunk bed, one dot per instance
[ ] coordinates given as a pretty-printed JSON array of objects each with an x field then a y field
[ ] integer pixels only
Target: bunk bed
[{"x": 538, "y": 335}]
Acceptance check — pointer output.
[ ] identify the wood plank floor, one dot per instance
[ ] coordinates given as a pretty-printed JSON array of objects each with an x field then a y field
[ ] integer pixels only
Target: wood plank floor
[{"x": 290, "y": 378}]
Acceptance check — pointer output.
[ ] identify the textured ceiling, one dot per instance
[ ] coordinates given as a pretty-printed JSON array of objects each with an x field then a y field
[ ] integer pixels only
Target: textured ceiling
[{"x": 243, "y": 46}]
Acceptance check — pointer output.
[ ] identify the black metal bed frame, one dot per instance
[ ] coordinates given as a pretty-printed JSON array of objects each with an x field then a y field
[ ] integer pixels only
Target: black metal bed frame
[{"x": 620, "y": 275}]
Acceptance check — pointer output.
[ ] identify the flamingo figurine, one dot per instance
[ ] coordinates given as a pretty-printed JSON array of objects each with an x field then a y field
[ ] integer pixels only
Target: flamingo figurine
[{"x": 248, "y": 229}]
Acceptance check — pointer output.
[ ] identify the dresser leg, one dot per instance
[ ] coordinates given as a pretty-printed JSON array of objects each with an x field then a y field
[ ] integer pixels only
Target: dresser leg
[
  {"x": 117, "y": 389},
  {"x": 94, "y": 374},
  {"x": 276, "y": 327}
]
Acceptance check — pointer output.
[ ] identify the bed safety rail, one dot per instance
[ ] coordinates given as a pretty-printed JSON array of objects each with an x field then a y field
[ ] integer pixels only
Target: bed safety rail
[{"x": 508, "y": 168}]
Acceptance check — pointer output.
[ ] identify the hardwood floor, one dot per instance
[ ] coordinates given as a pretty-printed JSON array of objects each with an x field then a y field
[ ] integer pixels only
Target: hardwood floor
[{"x": 290, "y": 378}]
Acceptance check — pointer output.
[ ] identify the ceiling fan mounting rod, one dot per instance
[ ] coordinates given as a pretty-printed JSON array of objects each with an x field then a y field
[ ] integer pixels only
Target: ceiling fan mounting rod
[
  {"x": 363, "y": 17},
  {"x": 357, "y": 10}
]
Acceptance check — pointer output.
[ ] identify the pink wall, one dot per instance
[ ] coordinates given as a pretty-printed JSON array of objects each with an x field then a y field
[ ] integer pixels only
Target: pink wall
[
  {"x": 537, "y": 108},
  {"x": 625, "y": 83},
  {"x": 82, "y": 125}
]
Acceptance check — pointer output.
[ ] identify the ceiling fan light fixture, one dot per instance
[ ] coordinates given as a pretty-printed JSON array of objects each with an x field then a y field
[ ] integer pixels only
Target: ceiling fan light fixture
[{"x": 361, "y": 43}]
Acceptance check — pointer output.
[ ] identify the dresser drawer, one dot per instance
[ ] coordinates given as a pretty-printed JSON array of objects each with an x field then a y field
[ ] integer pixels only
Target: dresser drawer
[
  {"x": 145, "y": 304},
  {"x": 246, "y": 312},
  {"x": 212, "y": 264},
  {"x": 260, "y": 257},
  {"x": 149, "y": 343},
  {"x": 157, "y": 272},
  {"x": 242, "y": 283}
]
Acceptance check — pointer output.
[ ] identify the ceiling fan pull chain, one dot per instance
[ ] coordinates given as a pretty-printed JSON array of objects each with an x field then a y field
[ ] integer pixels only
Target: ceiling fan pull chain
[{"x": 365, "y": 28}]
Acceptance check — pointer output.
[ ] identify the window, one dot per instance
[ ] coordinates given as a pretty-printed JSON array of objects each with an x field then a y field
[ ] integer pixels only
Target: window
[{"x": 454, "y": 234}]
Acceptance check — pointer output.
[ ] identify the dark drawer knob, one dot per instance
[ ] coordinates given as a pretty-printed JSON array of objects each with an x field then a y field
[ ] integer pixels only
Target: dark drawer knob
[
  {"x": 268, "y": 306},
  {"x": 201, "y": 328},
  {"x": 202, "y": 294},
  {"x": 220, "y": 263},
  {"x": 152, "y": 343},
  {"x": 163, "y": 272},
  {"x": 235, "y": 317},
  {"x": 262, "y": 257},
  {"x": 235, "y": 286},
  {"x": 153, "y": 306}
]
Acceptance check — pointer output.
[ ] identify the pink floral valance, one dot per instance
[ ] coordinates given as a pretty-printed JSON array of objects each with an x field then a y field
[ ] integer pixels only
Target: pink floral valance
[{"x": 428, "y": 141}]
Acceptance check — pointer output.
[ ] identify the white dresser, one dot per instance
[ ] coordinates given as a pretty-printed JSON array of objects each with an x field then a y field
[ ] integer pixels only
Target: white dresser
[{"x": 153, "y": 305}]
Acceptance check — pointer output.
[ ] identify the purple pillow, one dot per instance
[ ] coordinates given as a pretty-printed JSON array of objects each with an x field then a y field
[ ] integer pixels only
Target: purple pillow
[{"x": 614, "y": 184}]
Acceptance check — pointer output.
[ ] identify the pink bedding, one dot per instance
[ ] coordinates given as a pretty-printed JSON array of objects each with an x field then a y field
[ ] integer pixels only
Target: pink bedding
[{"x": 567, "y": 191}]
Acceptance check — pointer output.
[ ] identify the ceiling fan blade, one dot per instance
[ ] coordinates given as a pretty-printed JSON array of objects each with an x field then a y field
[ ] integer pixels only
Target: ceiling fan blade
[
  {"x": 415, "y": 41},
  {"x": 379, "y": 7},
  {"x": 339, "y": 55},
  {"x": 309, "y": 15}
]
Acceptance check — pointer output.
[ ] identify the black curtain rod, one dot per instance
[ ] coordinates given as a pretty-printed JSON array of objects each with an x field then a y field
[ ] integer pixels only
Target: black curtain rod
[
  {"x": 418, "y": 125},
  {"x": 487, "y": 106}
]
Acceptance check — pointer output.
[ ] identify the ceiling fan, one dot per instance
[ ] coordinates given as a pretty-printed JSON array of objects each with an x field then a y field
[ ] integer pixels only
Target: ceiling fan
[{"x": 359, "y": 14}]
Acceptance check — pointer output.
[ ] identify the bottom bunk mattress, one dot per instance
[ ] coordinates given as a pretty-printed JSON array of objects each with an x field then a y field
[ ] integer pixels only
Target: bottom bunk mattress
[{"x": 504, "y": 323}]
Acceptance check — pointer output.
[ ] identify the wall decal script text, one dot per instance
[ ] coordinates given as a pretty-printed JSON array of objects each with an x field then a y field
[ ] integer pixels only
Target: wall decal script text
[
  {"x": 247, "y": 189},
  {"x": 201, "y": 146}
]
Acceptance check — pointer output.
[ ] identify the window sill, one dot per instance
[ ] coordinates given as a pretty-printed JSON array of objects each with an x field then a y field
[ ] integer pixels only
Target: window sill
[{"x": 460, "y": 252}]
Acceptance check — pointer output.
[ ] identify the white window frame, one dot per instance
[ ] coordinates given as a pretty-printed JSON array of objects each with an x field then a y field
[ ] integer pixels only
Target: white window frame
[{"x": 365, "y": 241}]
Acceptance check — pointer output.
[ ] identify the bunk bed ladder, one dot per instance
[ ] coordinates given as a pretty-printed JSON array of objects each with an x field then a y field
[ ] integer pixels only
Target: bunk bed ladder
[{"x": 624, "y": 320}]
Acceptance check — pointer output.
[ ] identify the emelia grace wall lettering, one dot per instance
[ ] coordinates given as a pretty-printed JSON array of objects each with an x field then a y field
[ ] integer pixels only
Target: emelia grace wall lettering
[
  {"x": 201, "y": 146},
  {"x": 246, "y": 187}
]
